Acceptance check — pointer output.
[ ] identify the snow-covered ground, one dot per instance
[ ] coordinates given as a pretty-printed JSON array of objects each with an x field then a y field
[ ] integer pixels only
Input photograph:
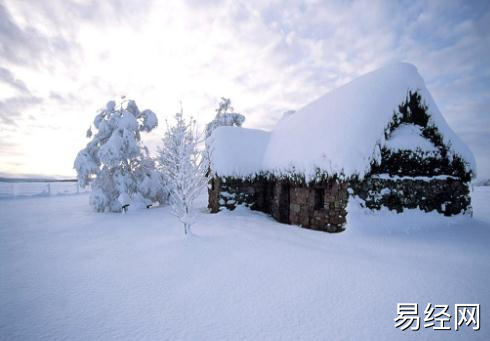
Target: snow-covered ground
[{"x": 69, "y": 273}]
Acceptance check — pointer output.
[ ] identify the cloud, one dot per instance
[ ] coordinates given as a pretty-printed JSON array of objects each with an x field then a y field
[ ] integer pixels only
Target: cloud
[
  {"x": 12, "y": 108},
  {"x": 7, "y": 77},
  {"x": 66, "y": 58},
  {"x": 28, "y": 45}
]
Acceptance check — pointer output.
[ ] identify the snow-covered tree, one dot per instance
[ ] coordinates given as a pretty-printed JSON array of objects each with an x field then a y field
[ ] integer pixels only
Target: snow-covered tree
[
  {"x": 151, "y": 183},
  {"x": 224, "y": 117},
  {"x": 184, "y": 168},
  {"x": 114, "y": 162}
]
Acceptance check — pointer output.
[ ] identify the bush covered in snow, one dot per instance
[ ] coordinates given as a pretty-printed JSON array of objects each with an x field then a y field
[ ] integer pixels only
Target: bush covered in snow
[
  {"x": 184, "y": 167},
  {"x": 418, "y": 160},
  {"x": 114, "y": 162}
]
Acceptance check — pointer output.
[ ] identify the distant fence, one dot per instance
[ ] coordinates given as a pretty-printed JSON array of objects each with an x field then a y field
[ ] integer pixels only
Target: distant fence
[{"x": 32, "y": 189}]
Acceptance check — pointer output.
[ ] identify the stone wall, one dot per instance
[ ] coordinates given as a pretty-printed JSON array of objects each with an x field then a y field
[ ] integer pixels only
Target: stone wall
[
  {"x": 213, "y": 194},
  {"x": 322, "y": 206},
  {"x": 447, "y": 196},
  {"x": 229, "y": 193},
  {"x": 286, "y": 202},
  {"x": 327, "y": 213}
]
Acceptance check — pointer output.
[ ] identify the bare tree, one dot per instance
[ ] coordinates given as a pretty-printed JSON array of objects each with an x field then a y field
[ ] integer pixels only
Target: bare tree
[{"x": 184, "y": 168}]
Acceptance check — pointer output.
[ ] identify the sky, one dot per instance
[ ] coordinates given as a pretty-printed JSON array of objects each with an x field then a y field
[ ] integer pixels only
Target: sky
[{"x": 62, "y": 60}]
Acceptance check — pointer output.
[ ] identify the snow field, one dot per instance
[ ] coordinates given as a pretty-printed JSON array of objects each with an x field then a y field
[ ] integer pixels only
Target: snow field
[{"x": 67, "y": 272}]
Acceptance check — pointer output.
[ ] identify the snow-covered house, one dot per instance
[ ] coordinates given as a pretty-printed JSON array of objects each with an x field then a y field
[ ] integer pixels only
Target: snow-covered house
[{"x": 381, "y": 137}]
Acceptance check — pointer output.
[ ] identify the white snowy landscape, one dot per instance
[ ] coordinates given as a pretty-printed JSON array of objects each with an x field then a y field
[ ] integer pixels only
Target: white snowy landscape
[
  {"x": 67, "y": 272},
  {"x": 293, "y": 170},
  {"x": 121, "y": 262}
]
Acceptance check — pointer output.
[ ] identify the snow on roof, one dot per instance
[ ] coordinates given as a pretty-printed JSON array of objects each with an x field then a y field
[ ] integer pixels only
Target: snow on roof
[
  {"x": 338, "y": 133},
  {"x": 237, "y": 151}
]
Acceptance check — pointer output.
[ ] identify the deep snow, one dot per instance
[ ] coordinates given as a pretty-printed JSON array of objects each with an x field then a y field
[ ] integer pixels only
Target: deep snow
[{"x": 67, "y": 272}]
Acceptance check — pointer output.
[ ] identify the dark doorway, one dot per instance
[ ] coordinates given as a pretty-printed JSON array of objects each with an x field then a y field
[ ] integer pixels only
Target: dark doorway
[
  {"x": 284, "y": 204},
  {"x": 268, "y": 196},
  {"x": 319, "y": 198}
]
